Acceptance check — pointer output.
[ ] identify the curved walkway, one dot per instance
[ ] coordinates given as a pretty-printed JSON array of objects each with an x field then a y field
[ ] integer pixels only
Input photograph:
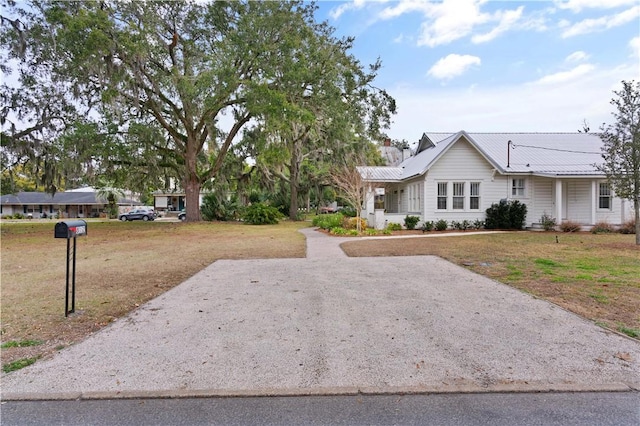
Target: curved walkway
[{"x": 330, "y": 324}]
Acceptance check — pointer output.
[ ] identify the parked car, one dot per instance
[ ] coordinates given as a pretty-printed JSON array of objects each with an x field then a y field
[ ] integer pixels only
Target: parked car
[
  {"x": 137, "y": 214},
  {"x": 182, "y": 215}
]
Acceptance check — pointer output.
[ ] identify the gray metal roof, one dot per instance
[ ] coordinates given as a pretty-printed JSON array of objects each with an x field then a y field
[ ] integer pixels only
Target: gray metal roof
[
  {"x": 380, "y": 173},
  {"x": 60, "y": 198},
  {"x": 545, "y": 154}
]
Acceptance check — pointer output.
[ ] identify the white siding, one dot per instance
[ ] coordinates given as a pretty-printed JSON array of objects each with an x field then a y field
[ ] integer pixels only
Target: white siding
[
  {"x": 542, "y": 199},
  {"x": 462, "y": 163}
]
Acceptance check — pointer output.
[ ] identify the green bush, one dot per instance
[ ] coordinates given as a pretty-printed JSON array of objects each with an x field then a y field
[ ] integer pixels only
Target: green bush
[
  {"x": 506, "y": 215},
  {"x": 328, "y": 221},
  {"x": 410, "y": 222},
  {"x": 548, "y": 223},
  {"x": 349, "y": 212},
  {"x": 460, "y": 226},
  {"x": 261, "y": 214},
  {"x": 18, "y": 216},
  {"x": 214, "y": 208},
  {"x": 394, "y": 227},
  {"x": 441, "y": 225},
  {"x": 338, "y": 230},
  {"x": 478, "y": 224},
  {"x": 427, "y": 226}
]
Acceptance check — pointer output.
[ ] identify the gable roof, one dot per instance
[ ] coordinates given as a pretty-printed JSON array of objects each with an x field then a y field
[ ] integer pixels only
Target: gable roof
[
  {"x": 60, "y": 198},
  {"x": 543, "y": 154}
]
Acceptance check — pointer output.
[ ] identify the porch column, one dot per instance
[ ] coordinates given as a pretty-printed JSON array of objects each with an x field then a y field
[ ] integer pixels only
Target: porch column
[
  {"x": 558, "y": 201},
  {"x": 594, "y": 201}
]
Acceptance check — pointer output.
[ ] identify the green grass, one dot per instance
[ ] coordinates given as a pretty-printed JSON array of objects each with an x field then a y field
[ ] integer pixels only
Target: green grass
[
  {"x": 18, "y": 364},
  {"x": 20, "y": 343},
  {"x": 631, "y": 332}
]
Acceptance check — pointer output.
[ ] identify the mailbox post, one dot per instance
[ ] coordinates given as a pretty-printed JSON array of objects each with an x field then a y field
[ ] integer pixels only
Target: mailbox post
[{"x": 70, "y": 229}]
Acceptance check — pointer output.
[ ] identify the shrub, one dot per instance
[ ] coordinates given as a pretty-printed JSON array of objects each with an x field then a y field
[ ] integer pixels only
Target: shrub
[
  {"x": 371, "y": 231},
  {"x": 352, "y": 223},
  {"x": 478, "y": 224},
  {"x": 427, "y": 226},
  {"x": 338, "y": 230},
  {"x": 261, "y": 214},
  {"x": 214, "y": 208},
  {"x": 441, "y": 225},
  {"x": 394, "y": 227},
  {"x": 570, "y": 226},
  {"x": 506, "y": 215},
  {"x": 602, "y": 228},
  {"x": 328, "y": 221},
  {"x": 548, "y": 222},
  {"x": 349, "y": 211},
  {"x": 629, "y": 227},
  {"x": 18, "y": 216},
  {"x": 410, "y": 222}
]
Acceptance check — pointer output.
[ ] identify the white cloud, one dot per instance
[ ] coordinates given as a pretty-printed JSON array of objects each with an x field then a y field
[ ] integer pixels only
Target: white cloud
[
  {"x": 516, "y": 108},
  {"x": 634, "y": 44},
  {"x": 508, "y": 19},
  {"x": 604, "y": 23},
  {"x": 345, "y": 7},
  {"x": 566, "y": 76},
  {"x": 578, "y": 5},
  {"x": 450, "y": 21},
  {"x": 577, "y": 57},
  {"x": 406, "y": 6},
  {"x": 452, "y": 65}
]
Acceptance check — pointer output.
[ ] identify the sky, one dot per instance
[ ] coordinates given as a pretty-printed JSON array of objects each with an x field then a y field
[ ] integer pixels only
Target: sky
[{"x": 494, "y": 66}]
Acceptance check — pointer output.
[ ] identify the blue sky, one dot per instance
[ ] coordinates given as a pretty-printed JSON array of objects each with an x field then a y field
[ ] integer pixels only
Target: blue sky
[{"x": 494, "y": 66}]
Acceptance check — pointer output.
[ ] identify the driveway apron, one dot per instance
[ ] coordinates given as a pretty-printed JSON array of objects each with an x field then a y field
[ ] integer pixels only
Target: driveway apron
[{"x": 330, "y": 324}]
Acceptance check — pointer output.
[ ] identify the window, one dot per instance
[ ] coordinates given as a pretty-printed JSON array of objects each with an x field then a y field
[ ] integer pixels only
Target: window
[
  {"x": 517, "y": 188},
  {"x": 474, "y": 198},
  {"x": 458, "y": 195},
  {"x": 442, "y": 196},
  {"x": 415, "y": 197},
  {"x": 604, "y": 196}
]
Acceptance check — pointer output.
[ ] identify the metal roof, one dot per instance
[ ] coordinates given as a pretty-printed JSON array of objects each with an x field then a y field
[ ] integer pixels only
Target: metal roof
[
  {"x": 60, "y": 198},
  {"x": 544, "y": 154},
  {"x": 380, "y": 173}
]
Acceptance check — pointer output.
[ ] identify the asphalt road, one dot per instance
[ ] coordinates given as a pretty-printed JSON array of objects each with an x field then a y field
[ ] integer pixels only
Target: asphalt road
[{"x": 497, "y": 409}]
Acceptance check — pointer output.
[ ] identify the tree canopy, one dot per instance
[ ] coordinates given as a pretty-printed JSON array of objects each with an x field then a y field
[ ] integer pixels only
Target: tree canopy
[
  {"x": 163, "y": 89},
  {"x": 621, "y": 150}
]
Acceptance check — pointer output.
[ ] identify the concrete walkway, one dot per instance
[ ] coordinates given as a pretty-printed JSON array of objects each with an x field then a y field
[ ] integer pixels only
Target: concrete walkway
[{"x": 330, "y": 324}]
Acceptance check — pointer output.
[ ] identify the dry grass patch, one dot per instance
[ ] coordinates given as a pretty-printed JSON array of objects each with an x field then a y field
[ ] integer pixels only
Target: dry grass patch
[
  {"x": 596, "y": 276},
  {"x": 119, "y": 267}
]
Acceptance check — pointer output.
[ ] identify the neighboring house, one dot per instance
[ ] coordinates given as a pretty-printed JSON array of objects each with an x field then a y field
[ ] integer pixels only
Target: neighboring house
[
  {"x": 169, "y": 201},
  {"x": 68, "y": 204},
  {"x": 458, "y": 176}
]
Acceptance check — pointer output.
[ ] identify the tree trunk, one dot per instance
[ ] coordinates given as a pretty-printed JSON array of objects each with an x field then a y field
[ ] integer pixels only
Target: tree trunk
[
  {"x": 192, "y": 199},
  {"x": 294, "y": 172},
  {"x": 636, "y": 207},
  {"x": 191, "y": 184}
]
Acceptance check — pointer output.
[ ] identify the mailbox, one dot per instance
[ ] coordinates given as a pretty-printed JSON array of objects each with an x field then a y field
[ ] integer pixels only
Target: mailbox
[{"x": 70, "y": 229}]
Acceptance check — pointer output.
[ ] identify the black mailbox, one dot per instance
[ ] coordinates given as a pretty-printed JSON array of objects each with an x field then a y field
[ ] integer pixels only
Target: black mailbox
[{"x": 70, "y": 229}]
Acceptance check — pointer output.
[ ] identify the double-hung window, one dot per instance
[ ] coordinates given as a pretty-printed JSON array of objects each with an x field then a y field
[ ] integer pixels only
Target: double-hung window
[
  {"x": 474, "y": 196},
  {"x": 442, "y": 195},
  {"x": 604, "y": 196},
  {"x": 517, "y": 187},
  {"x": 458, "y": 195}
]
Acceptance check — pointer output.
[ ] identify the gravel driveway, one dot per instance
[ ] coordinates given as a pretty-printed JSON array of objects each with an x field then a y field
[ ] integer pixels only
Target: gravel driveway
[{"x": 337, "y": 325}]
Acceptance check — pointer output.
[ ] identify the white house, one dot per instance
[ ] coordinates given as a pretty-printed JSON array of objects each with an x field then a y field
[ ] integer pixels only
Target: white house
[{"x": 458, "y": 176}]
